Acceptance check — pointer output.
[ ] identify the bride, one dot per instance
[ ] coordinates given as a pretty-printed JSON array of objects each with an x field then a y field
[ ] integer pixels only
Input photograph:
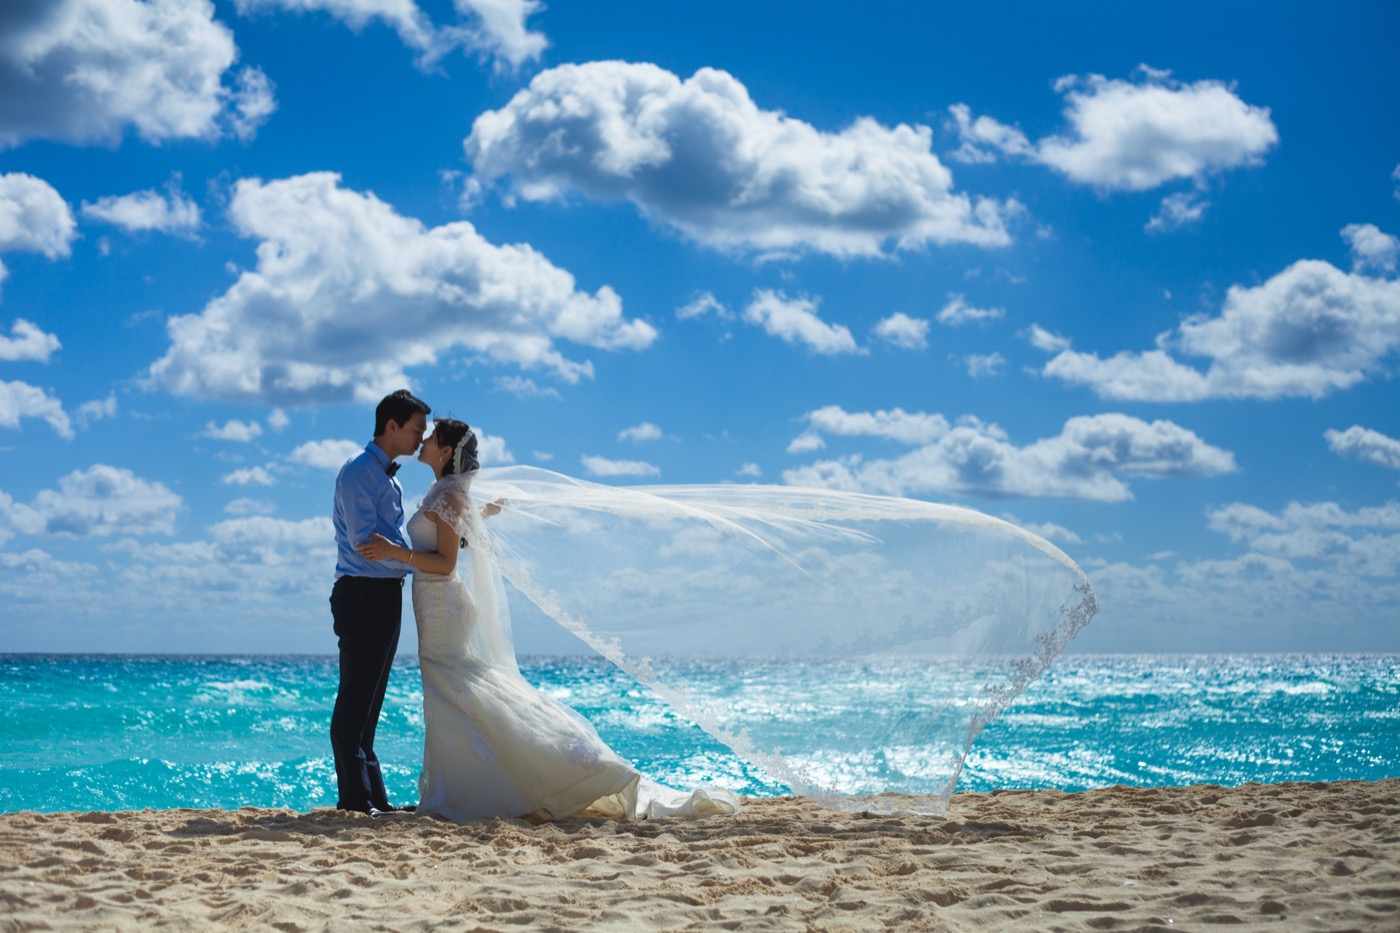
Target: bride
[{"x": 494, "y": 745}]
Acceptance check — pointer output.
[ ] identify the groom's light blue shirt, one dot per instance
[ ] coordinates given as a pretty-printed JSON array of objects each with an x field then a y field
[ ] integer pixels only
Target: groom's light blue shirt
[{"x": 367, "y": 500}]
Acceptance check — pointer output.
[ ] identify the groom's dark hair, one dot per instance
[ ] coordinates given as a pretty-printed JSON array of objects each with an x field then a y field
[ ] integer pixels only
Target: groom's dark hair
[{"x": 398, "y": 407}]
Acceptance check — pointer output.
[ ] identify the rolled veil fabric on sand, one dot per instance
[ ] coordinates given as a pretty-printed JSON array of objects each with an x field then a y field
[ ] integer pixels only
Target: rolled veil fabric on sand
[{"x": 720, "y": 597}]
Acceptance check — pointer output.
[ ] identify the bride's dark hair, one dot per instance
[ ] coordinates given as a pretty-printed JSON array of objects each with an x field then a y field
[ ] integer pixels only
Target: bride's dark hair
[{"x": 448, "y": 432}]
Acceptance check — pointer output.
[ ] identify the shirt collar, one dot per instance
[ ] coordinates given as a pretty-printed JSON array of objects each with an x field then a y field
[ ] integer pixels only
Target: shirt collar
[{"x": 377, "y": 453}]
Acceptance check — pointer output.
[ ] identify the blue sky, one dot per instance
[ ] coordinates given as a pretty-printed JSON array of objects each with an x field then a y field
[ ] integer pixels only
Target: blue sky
[{"x": 1114, "y": 274}]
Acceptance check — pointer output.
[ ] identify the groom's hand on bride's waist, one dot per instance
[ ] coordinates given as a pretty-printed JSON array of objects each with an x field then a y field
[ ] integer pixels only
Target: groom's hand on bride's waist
[{"x": 379, "y": 548}]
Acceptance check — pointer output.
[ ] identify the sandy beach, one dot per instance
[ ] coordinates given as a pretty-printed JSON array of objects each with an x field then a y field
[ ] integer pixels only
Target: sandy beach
[{"x": 1278, "y": 857}]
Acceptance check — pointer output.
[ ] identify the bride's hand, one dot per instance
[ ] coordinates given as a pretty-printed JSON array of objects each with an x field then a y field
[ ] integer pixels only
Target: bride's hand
[
  {"x": 491, "y": 508},
  {"x": 379, "y": 548}
]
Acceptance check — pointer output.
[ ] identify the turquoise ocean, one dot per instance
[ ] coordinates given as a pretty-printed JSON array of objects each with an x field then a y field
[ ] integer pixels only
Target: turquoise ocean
[{"x": 124, "y": 732}]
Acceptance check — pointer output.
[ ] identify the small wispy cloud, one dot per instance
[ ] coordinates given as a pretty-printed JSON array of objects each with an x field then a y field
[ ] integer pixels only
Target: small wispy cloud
[
  {"x": 903, "y": 331},
  {"x": 603, "y": 467},
  {"x": 239, "y": 432},
  {"x": 958, "y": 312},
  {"x": 640, "y": 433}
]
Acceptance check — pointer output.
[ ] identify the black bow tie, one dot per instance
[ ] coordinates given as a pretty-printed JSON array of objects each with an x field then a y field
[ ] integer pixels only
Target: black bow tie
[{"x": 392, "y": 468}]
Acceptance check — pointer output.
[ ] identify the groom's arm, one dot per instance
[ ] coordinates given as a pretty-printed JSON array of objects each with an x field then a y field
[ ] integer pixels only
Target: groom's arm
[
  {"x": 360, "y": 497},
  {"x": 442, "y": 561}
]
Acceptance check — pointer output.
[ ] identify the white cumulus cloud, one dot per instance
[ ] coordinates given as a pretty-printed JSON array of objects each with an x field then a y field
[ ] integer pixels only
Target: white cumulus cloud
[
  {"x": 1363, "y": 542},
  {"x": 325, "y": 455},
  {"x": 83, "y": 71},
  {"x": 896, "y": 424},
  {"x": 99, "y": 501},
  {"x": 22, "y": 400},
  {"x": 958, "y": 312},
  {"x": 806, "y": 442},
  {"x": 500, "y": 31},
  {"x": 1365, "y": 444},
  {"x": 1310, "y": 573},
  {"x": 983, "y": 137},
  {"x": 249, "y": 476},
  {"x": 1091, "y": 457},
  {"x": 639, "y": 433},
  {"x": 1133, "y": 136},
  {"x": 525, "y": 388},
  {"x": 248, "y": 506},
  {"x": 172, "y": 212},
  {"x": 495, "y": 29},
  {"x": 1042, "y": 339},
  {"x": 240, "y": 432},
  {"x": 602, "y": 466},
  {"x": 795, "y": 320},
  {"x": 97, "y": 409},
  {"x": 984, "y": 364},
  {"x": 1310, "y": 330},
  {"x": 34, "y": 217},
  {"x": 27, "y": 343},
  {"x": 1176, "y": 211},
  {"x": 1371, "y": 248},
  {"x": 39, "y": 573},
  {"x": 335, "y": 264},
  {"x": 700, "y": 156},
  {"x": 901, "y": 330},
  {"x": 491, "y": 449},
  {"x": 701, "y": 305},
  {"x": 254, "y": 101},
  {"x": 273, "y": 567},
  {"x": 254, "y": 533},
  {"x": 403, "y": 16},
  {"x": 1149, "y": 376}
]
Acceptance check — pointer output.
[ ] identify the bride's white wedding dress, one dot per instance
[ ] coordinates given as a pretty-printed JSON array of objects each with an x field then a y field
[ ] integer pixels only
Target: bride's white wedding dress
[{"x": 494, "y": 745}]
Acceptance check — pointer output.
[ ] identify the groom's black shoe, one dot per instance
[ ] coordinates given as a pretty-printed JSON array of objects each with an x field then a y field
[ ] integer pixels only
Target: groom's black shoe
[
  {"x": 374, "y": 812},
  {"x": 390, "y": 808}
]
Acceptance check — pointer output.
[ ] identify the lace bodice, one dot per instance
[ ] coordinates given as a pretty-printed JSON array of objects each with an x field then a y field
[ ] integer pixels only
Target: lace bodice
[{"x": 423, "y": 535}]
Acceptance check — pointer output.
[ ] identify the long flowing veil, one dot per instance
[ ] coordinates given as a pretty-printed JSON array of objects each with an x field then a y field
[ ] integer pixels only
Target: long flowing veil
[
  {"x": 489, "y": 639},
  {"x": 849, "y": 645}
]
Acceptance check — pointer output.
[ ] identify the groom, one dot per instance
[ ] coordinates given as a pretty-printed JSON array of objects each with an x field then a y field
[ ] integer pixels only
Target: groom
[{"x": 367, "y": 600}]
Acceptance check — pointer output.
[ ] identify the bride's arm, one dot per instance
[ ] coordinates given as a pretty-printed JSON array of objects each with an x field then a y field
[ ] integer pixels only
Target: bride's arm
[{"x": 442, "y": 561}]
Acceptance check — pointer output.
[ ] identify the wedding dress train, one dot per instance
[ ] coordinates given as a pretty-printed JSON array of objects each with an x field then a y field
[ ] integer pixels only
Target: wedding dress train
[{"x": 495, "y": 746}]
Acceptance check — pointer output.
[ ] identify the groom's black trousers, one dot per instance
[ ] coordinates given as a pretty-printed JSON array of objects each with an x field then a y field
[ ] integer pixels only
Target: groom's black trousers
[{"x": 368, "y": 613}]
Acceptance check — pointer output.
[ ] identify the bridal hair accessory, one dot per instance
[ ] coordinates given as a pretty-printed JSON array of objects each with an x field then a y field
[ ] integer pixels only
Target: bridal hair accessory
[{"x": 457, "y": 452}]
